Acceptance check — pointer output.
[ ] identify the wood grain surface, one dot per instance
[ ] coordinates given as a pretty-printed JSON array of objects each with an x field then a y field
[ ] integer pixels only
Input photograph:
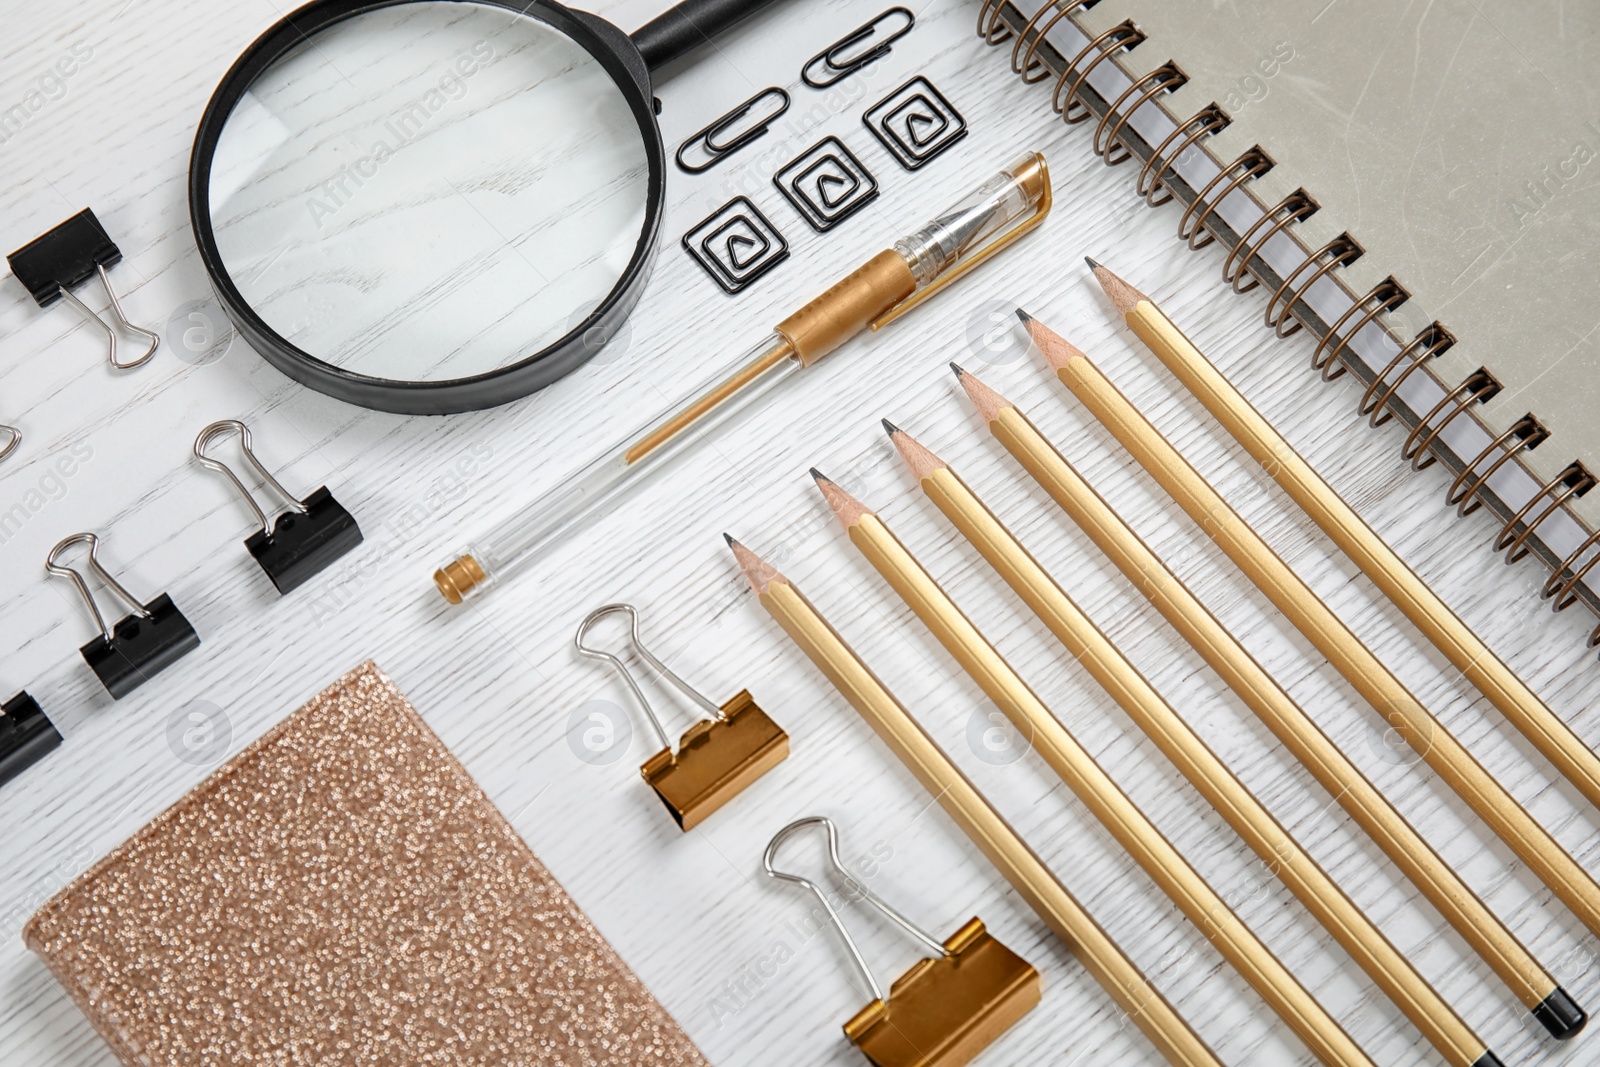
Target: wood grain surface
[{"x": 737, "y": 958}]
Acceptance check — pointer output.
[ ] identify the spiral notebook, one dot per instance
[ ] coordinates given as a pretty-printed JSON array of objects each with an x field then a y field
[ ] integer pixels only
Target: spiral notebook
[{"x": 1414, "y": 185}]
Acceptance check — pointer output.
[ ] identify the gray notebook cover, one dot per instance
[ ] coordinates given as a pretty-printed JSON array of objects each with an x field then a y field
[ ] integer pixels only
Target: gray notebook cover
[{"x": 1456, "y": 141}]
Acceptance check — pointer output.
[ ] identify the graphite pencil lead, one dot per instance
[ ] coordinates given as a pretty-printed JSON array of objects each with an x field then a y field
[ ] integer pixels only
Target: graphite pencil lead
[
  {"x": 890, "y": 428},
  {"x": 988, "y": 402},
  {"x": 757, "y": 571},
  {"x": 922, "y": 462},
  {"x": 846, "y": 508},
  {"x": 1024, "y": 316},
  {"x": 728, "y": 537},
  {"x": 1123, "y": 296},
  {"x": 955, "y": 368},
  {"x": 1057, "y": 350},
  {"x": 1094, "y": 264}
]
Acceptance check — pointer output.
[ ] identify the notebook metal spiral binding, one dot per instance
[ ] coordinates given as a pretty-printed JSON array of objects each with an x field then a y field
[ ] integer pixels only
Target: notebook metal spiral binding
[
  {"x": 1123, "y": 36},
  {"x": 1526, "y": 433},
  {"x": 1571, "y": 483},
  {"x": 1430, "y": 342},
  {"x": 1027, "y": 66},
  {"x": 1251, "y": 163},
  {"x": 1340, "y": 252},
  {"x": 1035, "y": 59},
  {"x": 1165, "y": 78},
  {"x": 1477, "y": 387},
  {"x": 1151, "y": 179},
  {"x": 1384, "y": 297}
]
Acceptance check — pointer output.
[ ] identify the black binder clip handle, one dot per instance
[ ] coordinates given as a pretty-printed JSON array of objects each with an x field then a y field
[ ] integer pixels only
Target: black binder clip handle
[
  {"x": 704, "y": 149},
  {"x": 834, "y": 63},
  {"x": 68, "y": 255},
  {"x": 307, "y": 536},
  {"x": 146, "y": 641}
]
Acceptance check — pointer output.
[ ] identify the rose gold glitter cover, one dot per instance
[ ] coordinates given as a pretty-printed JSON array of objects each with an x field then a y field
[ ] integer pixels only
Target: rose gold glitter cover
[{"x": 342, "y": 892}]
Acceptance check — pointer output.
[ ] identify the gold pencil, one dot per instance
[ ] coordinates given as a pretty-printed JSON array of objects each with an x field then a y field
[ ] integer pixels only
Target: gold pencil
[
  {"x": 1230, "y": 798},
  {"x": 1427, "y": 612},
  {"x": 1481, "y": 929},
  {"x": 984, "y": 826},
  {"x": 1116, "y": 812},
  {"x": 1375, "y": 682}
]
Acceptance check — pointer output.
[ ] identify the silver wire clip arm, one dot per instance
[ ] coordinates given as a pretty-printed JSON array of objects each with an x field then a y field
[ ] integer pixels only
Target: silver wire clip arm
[
  {"x": 718, "y": 757},
  {"x": 53, "y": 263},
  {"x": 127, "y": 653},
  {"x": 949, "y": 1005},
  {"x": 308, "y": 535}
]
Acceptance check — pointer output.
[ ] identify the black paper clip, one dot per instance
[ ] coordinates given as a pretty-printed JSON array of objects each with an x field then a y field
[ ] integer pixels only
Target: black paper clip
[
  {"x": 143, "y": 643},
  {"x": 307, "y": 536},
  {"x": 833, "y": 60},
  {"x": 51, "y": 264},
  {"x": 26, "y": 735},
  {"x": 705, "y": 141}
]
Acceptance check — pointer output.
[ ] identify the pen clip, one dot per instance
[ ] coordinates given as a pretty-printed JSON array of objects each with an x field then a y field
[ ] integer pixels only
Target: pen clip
[{"x": 999, "y": 244}]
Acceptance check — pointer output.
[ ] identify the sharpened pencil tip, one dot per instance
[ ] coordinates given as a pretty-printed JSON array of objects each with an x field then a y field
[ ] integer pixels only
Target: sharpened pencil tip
[
  {"x": 955, "y": 368},
  {"x": 1094, "y": 264},
  {"x": 890, "y": 428},
  {"x": 1024, "y": 317},
  {"x": 757, "y": 571},
  {"x": 848, "y": 509},
  {"x": 819, "y": 476},
  {"x": 728, "y": 537}
]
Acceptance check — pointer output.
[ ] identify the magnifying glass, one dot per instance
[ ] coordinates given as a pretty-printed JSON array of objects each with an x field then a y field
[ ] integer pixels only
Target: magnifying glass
[{"x": 432, "y": 206}]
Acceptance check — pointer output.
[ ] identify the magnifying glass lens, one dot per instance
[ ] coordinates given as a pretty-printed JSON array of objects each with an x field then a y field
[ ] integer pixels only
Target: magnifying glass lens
[{"x": 429, "y": 191}]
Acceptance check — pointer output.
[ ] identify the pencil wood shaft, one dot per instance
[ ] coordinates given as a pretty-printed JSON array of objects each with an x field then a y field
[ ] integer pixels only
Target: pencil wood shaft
[
  {"x": 1365, "y": 672},
  {"x": 984, "y": 826},
  {"x": 1337, "y": 913},
  {"x": 1409, "y": 851},
  {"x": 1427, "y": 612},
  {"x": 1132, "y": 829}
]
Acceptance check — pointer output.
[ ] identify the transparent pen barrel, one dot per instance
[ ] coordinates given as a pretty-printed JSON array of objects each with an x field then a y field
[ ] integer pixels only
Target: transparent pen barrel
[
  {"x": 599, "y": 483},
  {"x": 995, "y": 204}
]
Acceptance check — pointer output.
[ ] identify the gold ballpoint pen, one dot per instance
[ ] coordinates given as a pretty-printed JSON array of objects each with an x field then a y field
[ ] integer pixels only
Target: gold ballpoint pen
[
  {"x": 1427, "y": 612},
  {"x": 1377, "y": 685},
  {"x": 1409, "y": 851},
  {"x": 1089, "y": 782},
  {"x": 1229, "y": 797},
  {"x": 920, "y": 265},
  {"x": 976, "y": 817}
]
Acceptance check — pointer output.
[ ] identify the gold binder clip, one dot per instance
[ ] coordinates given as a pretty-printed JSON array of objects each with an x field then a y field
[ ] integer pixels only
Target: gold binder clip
[
  {"x": 944, "y": 1010},
  {"x": 716, "y": 757}
]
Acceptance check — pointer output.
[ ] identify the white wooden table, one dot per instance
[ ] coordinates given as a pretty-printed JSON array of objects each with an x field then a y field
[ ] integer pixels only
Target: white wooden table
[{"x": 731, "y": 954}]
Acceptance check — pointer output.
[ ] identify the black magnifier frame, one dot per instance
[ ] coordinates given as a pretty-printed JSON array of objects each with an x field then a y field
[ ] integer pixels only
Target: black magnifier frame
[{"x": 629, "y": 60}]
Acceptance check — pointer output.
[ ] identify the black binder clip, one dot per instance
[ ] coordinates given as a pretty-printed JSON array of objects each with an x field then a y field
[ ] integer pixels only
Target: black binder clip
[
  {"x": 50, "y": 265},
  {"x": 834, "y": 60},
  {"x": 26, "y": 735},
  {"x": 143, "y": 643},
  {"x": 704, "y": 148},
  {"x": 306, "y": 537}
]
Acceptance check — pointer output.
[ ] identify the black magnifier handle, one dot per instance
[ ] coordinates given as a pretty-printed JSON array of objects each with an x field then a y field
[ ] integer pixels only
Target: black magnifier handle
[{"x": 688, "y": 25}]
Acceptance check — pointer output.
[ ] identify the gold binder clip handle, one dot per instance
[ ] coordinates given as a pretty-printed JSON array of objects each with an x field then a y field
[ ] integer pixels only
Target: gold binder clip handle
[
  {"x": 944, "y": 1010},
  {"x": 983, "y": 211},
  {"x": 717, "y": 757}
]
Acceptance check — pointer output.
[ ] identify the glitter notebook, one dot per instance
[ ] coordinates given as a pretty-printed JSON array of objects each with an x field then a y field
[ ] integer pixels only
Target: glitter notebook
[{"x": 342, "y": 892}]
